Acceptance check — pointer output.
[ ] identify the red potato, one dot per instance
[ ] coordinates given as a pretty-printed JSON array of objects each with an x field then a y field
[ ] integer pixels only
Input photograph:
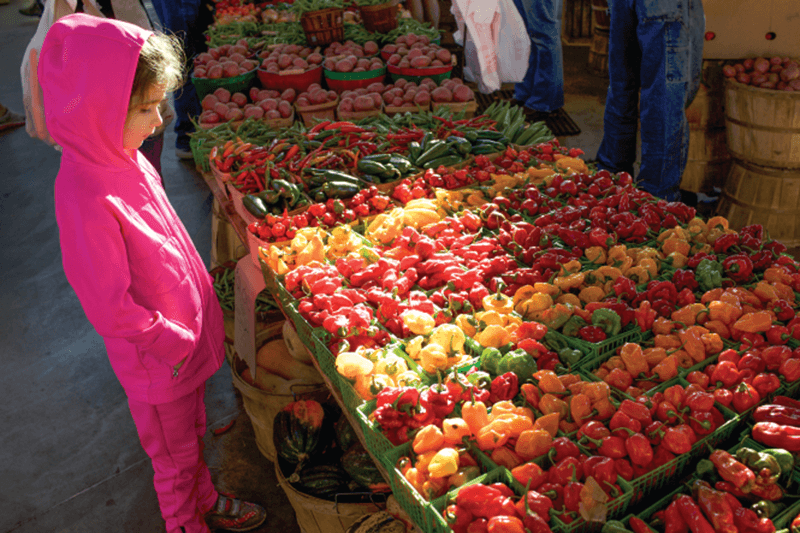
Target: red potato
[
  {"x": 414, "y": 53},
  {"x": 363, "y": 63},
  {"x": 409, "y": 95},
  {"x": 238, "y": 58},
  {"x": 209, "y": 117},
  {"x": 768, "y": 85},
  {"x": 289, "y": 95},
  {"x": 781, "y": 85},
  {"x": 458, "y": 81},
  {"x": 462, "y": 93},
  {"x": 332, "y": 96},
  {"x": 272, "y": 114},
  {"x": 743, "y": 78},
  {"x": 215, "y": 72},
  {"x": 404, "y": 63},
  {"x": 403, "y": 50},
  {"x": 401, "y": 39},
  {"x": 232, "y": 105},
  {"x": 421, "y": 62},
  {"x": 234, "y": 114},
  {"x": 741, "y": 68},
  {"x": 200, "y": 72},
  {"x": 254, "y": 112},
  {"x": 285, "y": 109},
  {"x": 773, "y": 77},
  {"x": 398, "y": 101},
  {"x": 388, "y": 97},
  {"x": 239, "y": 99},
  {"x": 443, "y": 55},
  {"x": 776, "y": 60},
  {"x": 221, "y": 109},
  {"x": 284, "y": 61},
  {"x": 209, "y": 101},
  {"x": 795, "y": 84},
  {"x": 330, "y": 64},
  {"x": 776, "y": 68},
  {"x": 442, "y": 95},
  {"x": 345, "y": 65},
  {"x": 224, "y": 49},
  {"x": 243, "y": 70},
  {"x": 214, "y": 53},
  {"x": 394, "y": 59},
  {"x": 371, "y": 48},
  {"x": 422, "y": 98},
  {"x": 230, "y": 69},
  {"x": 376, "y": 87},
  {"x": 758, "y": 79},
  {"x": 268, "y": 104},
  {"x": 305, "y": 52},
  {"x": 241, "y": 49},
  {"x": 302, "y": 101},
  {"x": 364, "y": 103},
  {"x": 411, "y": 39},
  {"x": 362, "y": 91},
  {"x": 389, "y": 49},
  {"x": 273, "y": 68},
  {"x": 729, "y": 71},
  {"x": 314, "y": 59},
  {"x": 436, "y": 63},
  {"x": 761, "y": 65},
  {"x": 791, "y": 72},
  {"x": 346, "y": 105},
  {"x": 376, "y": 100},
  {"x": 205, "y": 57},
  {"x": 400, "y": 83},
  {"x": 320, "y": 96},
  {"x": 253, "y": 94},
  {"x": 223, "y": 95}
]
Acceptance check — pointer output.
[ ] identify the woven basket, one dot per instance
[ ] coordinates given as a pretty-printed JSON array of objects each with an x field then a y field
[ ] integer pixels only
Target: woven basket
[
  {"x": 381, "y": 18},
  {"x": 323, "y": 27}
]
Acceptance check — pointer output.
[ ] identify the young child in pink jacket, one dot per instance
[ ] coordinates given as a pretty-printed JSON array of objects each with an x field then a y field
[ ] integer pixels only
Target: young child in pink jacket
[{"x": 133, "y": 266}]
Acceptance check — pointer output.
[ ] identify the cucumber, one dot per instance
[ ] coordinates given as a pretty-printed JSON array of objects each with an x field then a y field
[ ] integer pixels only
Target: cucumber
[
  {"x": 254, "y": 205},
  {"x": 447, "y": 160},
  {"x": 335, "y": 175},
  {"x": 378, "y": 158},
  {"x": 340, "y": 189},
  {"x": 489, "y": 134},
  {"x": 368, "y": 166},
  {"x": 402, "y": 164},
  {"x": 436, "y": 149}
]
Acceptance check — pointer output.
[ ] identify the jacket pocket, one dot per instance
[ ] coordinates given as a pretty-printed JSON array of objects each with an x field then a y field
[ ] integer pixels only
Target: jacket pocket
[
  {"x": 157, "y": 269},
  {"x": 659, "y": 10}
]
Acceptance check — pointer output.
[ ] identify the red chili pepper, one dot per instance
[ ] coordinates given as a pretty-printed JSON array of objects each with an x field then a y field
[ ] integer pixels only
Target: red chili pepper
[{"x": 225, "y": 428}]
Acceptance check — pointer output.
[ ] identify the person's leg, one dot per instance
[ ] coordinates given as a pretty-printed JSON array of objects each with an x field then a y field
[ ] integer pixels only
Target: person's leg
[
  {"x": 431, "y": 10},
  {"x": 180, "y": 17},
  {"x": 617, "y": 151},
  {"x": 169, "y": 434},
  {"x": 416, "y": 10},
  {"x": 543, "y": 86},
  {"x": 666, "y": 76}
]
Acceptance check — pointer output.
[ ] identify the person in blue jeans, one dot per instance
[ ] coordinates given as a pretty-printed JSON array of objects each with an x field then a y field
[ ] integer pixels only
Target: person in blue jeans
[
  {"x": 183, "y": 18},
  {"x": 542, "y": 90},
  {"x": 655, "y": 49}
]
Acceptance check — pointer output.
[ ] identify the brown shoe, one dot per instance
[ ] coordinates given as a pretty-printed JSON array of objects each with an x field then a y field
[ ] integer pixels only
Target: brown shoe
[{"x": 232, "y": 514}]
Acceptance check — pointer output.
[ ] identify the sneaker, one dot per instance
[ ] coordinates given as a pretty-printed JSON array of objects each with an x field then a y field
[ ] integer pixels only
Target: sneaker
[
  {"x": 183, "y": 153},
  {"x": 232, "y": 514},
  {"x": 10, "y": 120}
]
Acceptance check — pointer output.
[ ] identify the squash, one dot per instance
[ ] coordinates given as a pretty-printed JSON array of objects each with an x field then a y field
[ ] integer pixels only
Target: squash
[
  {"x": 346, "y": 436},
  {"x": 274, "y": 357},
  {"x": 357, "y": 462},
  {"x": 296, "y": 347},
  {"x": 297, "y": 433},
  {"x": 380, "y": 522},
  {"x": 323, "y": 481}
]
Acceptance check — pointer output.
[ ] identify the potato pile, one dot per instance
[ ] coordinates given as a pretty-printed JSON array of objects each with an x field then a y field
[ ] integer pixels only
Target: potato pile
[
  {"x": 224, "y": 61},
  {"x": 782, "y": 74},
  {"x": 452, "y": 90},
  {"x": 360, "y": 100},
  {"x": 416, "y": 51},
  {"x": 222, "y": 106},
  {"x": 289, "y": 59},
  {"x": 315, "y": 95},
  {"x": 404, "y": 93},
  {"x": 351, "y": 57}
]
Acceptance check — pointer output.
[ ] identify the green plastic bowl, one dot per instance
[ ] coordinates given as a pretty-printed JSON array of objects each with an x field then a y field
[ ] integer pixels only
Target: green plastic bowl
[
  {"x": 342, "y": 81},
  {"x": 236, "y": 84},
  {"x": 437, "y": 74}
]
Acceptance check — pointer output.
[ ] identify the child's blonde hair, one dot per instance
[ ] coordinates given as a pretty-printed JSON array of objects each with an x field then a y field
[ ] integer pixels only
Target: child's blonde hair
[{"x": 161, "y": 63}]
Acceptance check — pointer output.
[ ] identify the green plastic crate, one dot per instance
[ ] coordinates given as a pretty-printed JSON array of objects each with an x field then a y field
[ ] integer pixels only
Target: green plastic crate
[
  {"x": 377, "y": 443},
  {"x": 422, "y": 512},
  {"x": 617, "y": 508},
  {"x": 598, "y": 350}
]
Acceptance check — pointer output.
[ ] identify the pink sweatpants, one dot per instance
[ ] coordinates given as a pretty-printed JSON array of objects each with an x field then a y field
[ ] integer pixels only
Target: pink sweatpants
[{"x": 172, "y": 435}]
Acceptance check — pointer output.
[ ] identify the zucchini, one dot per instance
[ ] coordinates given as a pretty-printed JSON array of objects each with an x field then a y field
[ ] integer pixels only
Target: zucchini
[
  {"x": 340, "y": 189},
  {"x": 369, "y": 166},
  {"x": 435, "y": 150},
  {"x": 480, "y": 149},
  {"x": 335, "y": 175},
  {"x": 402, "y": 164},
  {"x": 488, "y": 135},
  {"x": 426, "y": 140},
  {"x": 447, "y": 160},
  {"x": 462, "y": 146},
  {"x": 495, "y": 145},
  {"x": 414, "y": 149},
  {"x": 378, "y": 158}
]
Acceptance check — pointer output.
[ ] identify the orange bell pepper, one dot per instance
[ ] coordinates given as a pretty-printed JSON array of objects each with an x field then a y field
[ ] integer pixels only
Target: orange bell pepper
[
  {"x": 454, "y": 430},
  {"x": 549, "y": 382},
  {"x": 726, "y": 312},
  {"x": 580, "y": 407},
  {"x": 614, "y": 362},
  {"x": 667, "y": 342},
  {"x": 570, "y": 379},
  {"x": 533, "y": 443},
  {"x": 601, "y": 373},
  {"x": 501, "y": 408},
  {"x": 568, "y": 427},
  {"x": 684, "y": 359},
  {"x": 506, "y": 458},
  {"x": 692, "y": 344},
  {"x": 434, "y": 487},
  {"x": 597, "y": 391},
  {"x": 524, "y": 411},
  {"x": 663, "y": 326},
  {"x": 687, "y": 315},
  {"x": 428, "y": 438},
  {"x": 490, "y": 437},
  {"x": 673, "y": 244},
  {"x": 757, "y": 322},
  {"x": 773, "y": 274},
  {"x": 711, "y": 295},
  {"x": 666, "y": 369},
  {"x": 529, "y": 475},
  {"x": 605, "y": 409},
  {"x": 423, "y": 460},
  {"x": 784, "y": 291},
  {"x": 516, "y": 424},
  {"x": 718, "y": 327},
  {"x": 552, "y": 404},
  {"x": 530, "y": 393},
  {"x": 475, "y": 415},
  {"x": 548, "y": 423},
  {"x": 416, "y": 479},
  {"x": 712, "y": 342},
  {"x": 633, "y": 358}
]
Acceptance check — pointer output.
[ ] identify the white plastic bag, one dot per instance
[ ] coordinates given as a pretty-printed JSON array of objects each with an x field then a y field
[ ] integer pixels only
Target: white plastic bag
[{"x": 514, "y": 44}]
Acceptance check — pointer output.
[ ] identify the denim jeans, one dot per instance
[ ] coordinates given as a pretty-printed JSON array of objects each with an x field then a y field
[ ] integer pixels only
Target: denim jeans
[
  {"x": 654, "y": 64},
  {"x": 543, "y": 86},
  {"x": 180, "y": 17}
]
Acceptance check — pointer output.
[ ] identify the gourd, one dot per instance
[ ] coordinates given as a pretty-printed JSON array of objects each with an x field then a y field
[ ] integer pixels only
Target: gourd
[
  {"x": 323, "y": 481},
  {"x": 345, "y": 434},
  {"x": 297, "y": 433},
  {"x": 380, "y": 522},
  {"x": 357, "y": 462},
  {"x": 274, "y": 357}
]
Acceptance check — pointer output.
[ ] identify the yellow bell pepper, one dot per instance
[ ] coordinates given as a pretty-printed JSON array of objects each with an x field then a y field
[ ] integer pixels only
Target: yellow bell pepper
[
  {"x": 591, "y": 294},
  {"x": 417, "y": 322},
  {"x": 493, "y": 337},
  {"x": 428, "y": 438},
  {"x": 595, "y": 254},
  {"x": 432, "y": 358},
  {"x": 533, "y": 443},
  {"x": 498, "y": 302},
  {"x": 353, "y": 364},
  {"x": 569, "y": 282},
  {"x": 490, "y": 318},
  {"x": 523, "y": 293},
  {"x": 467, "y": 325},
  {"x": 475, "y": 415},
  {"x": 450, "y": 337}
]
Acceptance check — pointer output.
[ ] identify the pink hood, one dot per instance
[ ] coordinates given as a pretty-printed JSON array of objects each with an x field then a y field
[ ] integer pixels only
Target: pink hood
[{"x": 125, "y": 252}]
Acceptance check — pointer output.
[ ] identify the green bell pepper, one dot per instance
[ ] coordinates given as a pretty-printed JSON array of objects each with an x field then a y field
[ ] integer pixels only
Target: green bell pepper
[
  {"x": 705, "y": 466},
  {"x": 490, "y": 360},
  {"x": 614, "y": 526},
  {"x": 785, "y": 458},
  {"x": 572, "y": 326},
  {"x": 760, "y": 461},
  {"x": 480, "y": 379},
  {"x": 709, "y": 274},
  {"x": 520, "y": 363},
  {"x": 767, "y": 509},
  {"x": 569, "y": 356},
  {"x": 607, "y": 320}
]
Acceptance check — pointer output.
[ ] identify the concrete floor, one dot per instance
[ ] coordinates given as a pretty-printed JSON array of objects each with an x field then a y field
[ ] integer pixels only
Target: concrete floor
[{"x": 70, "y": 459}]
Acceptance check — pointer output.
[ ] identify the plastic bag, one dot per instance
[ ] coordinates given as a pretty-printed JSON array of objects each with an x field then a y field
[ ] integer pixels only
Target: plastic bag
[
  {"x": 53, "y": 10},
  {"x": 472, "y": 67},
  {"x": 513, "y": 46}
]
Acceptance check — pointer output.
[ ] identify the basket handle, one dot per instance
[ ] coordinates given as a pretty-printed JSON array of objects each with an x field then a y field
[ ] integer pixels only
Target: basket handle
[
  {"x": 371, "y": 496},
  {"x": 312, "y": 388}
]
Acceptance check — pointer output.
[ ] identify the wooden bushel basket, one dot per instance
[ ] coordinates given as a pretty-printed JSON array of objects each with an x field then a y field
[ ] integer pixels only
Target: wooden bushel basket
[
  {"x": 381, "y": 18},
  {"x": 708, "y": 161},
  {"x": 324, "y": 26}
]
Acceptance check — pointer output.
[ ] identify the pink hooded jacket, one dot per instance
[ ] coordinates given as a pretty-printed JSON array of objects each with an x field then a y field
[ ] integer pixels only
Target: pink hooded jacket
[{"x": 136, "y": 272}]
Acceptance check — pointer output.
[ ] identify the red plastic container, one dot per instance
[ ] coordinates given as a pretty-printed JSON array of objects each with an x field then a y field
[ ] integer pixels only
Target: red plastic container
[{"x": 298, "y": 82}]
